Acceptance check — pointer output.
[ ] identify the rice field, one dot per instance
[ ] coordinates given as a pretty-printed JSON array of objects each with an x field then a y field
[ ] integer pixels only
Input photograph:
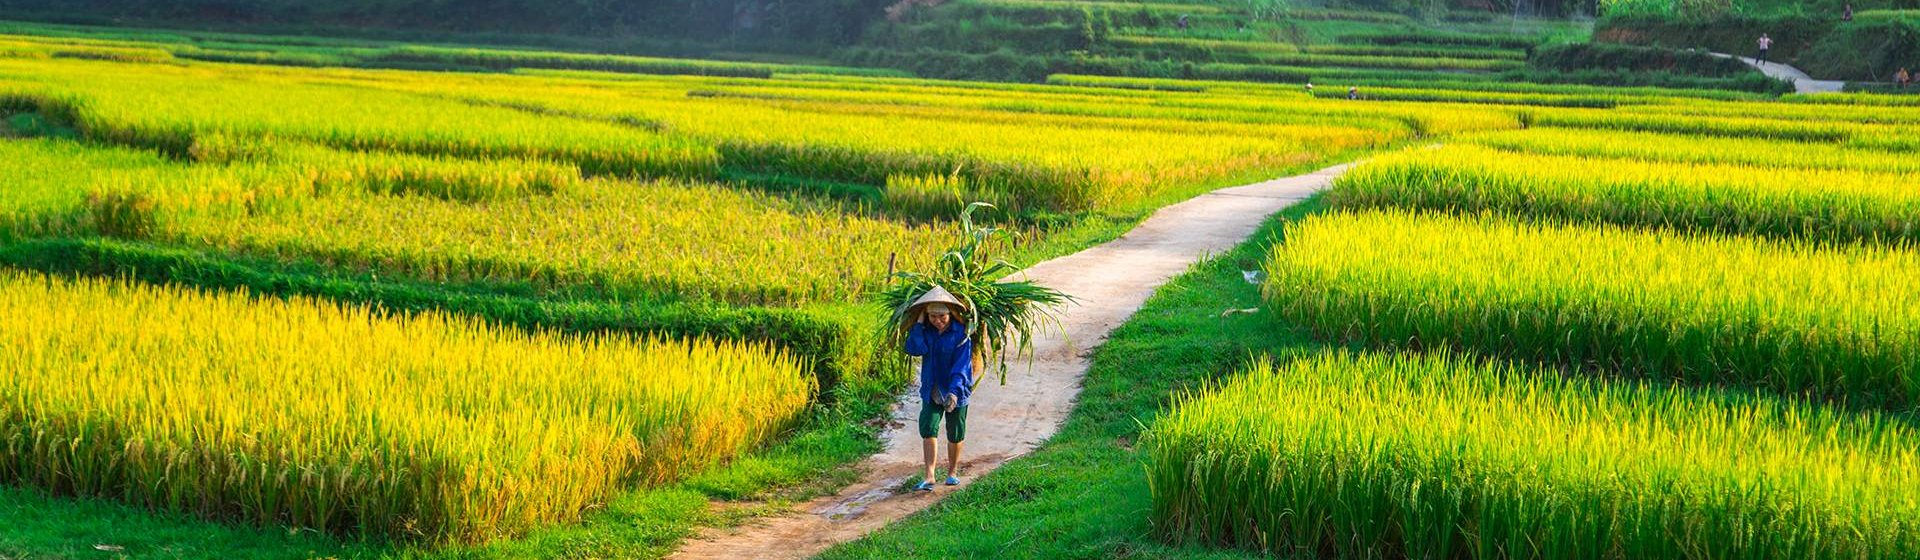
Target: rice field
[
  {"x": 1794, "y": 318},
  {"x": 676, "y": 254},
  {"x": 1373, "y": 456},
  {"x": 174, "y": 109},
  {"x": 692, "y": 128},
  {"x": 625, "y": 240},
  {"x": 1666, "y": 327},
  {"x": 621, "y": 188},
  {"x": 1836, "y": 204},
  {"x": 1648, "y": 147},
  {"x": 1813, "y": 131},
  {"x": 40, "y": 173},
  {"x": 337, "y": 418},
  {"x": 1483, "y": 97},
  {"x": 1568, "y": 288}
]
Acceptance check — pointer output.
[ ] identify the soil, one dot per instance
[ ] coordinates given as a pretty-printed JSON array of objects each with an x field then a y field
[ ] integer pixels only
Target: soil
[{"x": 1110, "y": 282}]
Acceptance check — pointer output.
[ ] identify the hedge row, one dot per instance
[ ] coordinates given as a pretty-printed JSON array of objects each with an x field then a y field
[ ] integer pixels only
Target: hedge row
[
  {"x": 1727, "y": 34},
  {"x": 1604, "y": 56}
]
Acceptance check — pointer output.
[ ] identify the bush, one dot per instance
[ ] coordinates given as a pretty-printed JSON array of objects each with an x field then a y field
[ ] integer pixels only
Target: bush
[
  {"x": 1888, "y": 89},
  {"x": 1792, "y": 35},
  {"x": 1754, "y": 82},
  {"x": 1866, "y": 50},
  {"x": 1470, "y": 16},
  {"x": 1869, "y": 48},
  {"x": 1003, "y": 65},
  {"x": 129, "y": 55},
  {"x": 981, "y": 28},
  {"x": 1487, "y": 53},
  {"x": 1603, "y": 56},
  {"x": 780, "y": 22},
  {"x": 1347, "y": 15},
  {"x": 1420, "y": 37}
]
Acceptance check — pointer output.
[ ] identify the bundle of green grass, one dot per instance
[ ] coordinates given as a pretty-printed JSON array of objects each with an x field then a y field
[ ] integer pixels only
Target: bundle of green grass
[{"x": 999, "y": 314}]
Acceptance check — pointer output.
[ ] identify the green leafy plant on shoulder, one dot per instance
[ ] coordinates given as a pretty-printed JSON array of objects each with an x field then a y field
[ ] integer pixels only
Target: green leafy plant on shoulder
[{"x": 1001, "y": 314}]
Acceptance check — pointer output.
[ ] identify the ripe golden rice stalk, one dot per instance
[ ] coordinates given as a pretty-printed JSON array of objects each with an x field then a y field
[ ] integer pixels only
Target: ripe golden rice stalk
[
  {"x": 1367, "y": 456},
  {"x": 1839, "y": 323},
  {"x": 427, "y": 427},
  {"x": 1001, "y": 314}
]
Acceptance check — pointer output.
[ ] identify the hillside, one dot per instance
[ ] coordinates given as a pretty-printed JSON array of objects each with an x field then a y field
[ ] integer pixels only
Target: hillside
[
  {"x": 1880, "y": 38},
  {"x": 1345, "y": 45}
]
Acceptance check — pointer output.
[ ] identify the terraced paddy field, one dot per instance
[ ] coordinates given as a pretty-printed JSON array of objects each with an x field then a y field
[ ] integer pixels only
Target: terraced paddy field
[
  {"x": 435, "y": 427},
  {"x": 1643, "y": 276},
  {"x": 1647, "y": 278},
  {"x": 734, "y": 224},
  {"x": 572, "y": 307}
]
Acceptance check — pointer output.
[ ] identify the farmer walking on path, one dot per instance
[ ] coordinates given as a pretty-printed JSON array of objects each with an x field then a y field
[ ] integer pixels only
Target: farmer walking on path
[
  {"x": 1765, "y": 43},
  {"x": 946, "y": 378},
  {"x": 1902, "y": 78}
]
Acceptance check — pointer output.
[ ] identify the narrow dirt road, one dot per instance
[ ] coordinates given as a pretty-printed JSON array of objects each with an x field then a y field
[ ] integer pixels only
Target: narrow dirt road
[
  {"x": 1111, "y": 281},
  {"x": 1802, "y": 83}
]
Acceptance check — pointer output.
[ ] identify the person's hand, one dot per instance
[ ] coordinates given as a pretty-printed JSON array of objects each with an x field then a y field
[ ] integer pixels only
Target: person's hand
[{"x": 952, "y": 401}]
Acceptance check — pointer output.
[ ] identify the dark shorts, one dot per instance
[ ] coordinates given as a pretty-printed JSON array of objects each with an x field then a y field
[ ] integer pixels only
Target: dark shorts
[{"x": 930, "y": 422}]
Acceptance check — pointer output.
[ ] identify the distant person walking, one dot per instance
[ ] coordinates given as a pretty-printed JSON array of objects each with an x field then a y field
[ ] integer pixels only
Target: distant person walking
[
  {"x": 1181, "y": 23},
  {"x": 1846, "y": 14},
  {"x": 1309, "y": 88},
  {"x": 946, "y": 378},
  {"x": 1902, "y": 78},
  {"x": 1765, "y": 43},
  {"x": 1353, "y": 92}
]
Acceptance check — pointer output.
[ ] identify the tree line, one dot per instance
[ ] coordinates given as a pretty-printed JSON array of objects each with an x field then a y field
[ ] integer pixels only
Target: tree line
[{"x": 820, "y": 22}]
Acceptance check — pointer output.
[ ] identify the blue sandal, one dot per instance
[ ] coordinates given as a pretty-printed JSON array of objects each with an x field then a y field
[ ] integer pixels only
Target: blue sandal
[
  {"x": 953, "y": 480},
  {"x": 924, "y": 486}
]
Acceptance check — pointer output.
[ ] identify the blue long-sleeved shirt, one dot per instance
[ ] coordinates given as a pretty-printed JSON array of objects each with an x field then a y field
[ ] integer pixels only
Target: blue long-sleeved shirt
[{"x": 946, "y": 360}]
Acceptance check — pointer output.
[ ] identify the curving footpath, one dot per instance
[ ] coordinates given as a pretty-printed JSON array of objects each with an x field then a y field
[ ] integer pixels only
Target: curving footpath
[
  {"x": 1802, "y": 83},
  {"x": 1111, "y": 281}
]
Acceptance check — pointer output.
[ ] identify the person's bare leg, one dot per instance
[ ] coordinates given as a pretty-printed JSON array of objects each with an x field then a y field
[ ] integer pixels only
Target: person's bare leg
[
  {"x": 953, "y": 459},
  {"x": 928, "y": 447}
]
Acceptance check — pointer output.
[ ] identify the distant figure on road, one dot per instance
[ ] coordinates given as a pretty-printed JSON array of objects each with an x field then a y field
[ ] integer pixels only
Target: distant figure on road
[
  {"x": 1902, "y": 78},
  {"x": 1181, "y": 23},
  {"x": 946, "y": 378},
  {"x": 1846, "y": 14},
  {"x": 1353, "y": 92},
  {"x": 1765, "y": 43}
]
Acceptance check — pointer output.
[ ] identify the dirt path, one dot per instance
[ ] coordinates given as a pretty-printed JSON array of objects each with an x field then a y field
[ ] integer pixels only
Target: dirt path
[
  {"x": 1802, "y": 83},
  {"x": 1111, "y": 281}
]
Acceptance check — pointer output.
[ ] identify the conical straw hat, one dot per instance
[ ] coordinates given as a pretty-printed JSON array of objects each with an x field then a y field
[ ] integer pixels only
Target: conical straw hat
[{"x": 937, "y": 295}]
